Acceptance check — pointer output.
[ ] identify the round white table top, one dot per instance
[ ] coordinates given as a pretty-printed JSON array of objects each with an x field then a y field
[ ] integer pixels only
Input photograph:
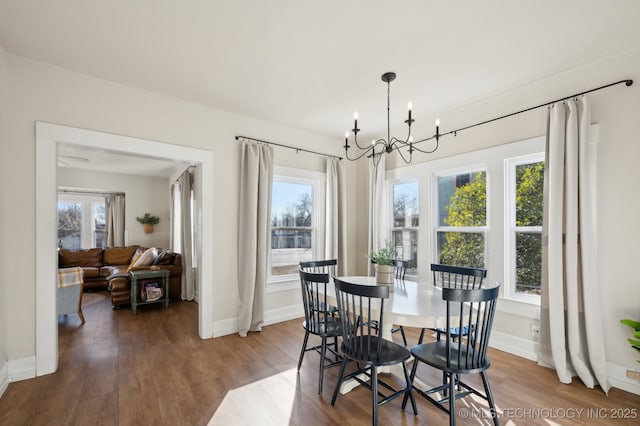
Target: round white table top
[{"x": 411, "y": 303}]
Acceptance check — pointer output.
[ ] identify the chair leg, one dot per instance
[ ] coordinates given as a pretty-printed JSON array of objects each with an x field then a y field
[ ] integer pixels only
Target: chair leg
[
  {"x": 487, "y": 390},
  {"x": 421, "y": 336},
  {"x": 304, "y": 348},
  {"x": 409, "y": 384},
  {"x": 323, "y": 352},
  {"x": 412, "y": 376},
  {"x": 374, "y": 394},
  {"x": 81, "y": 315},
  {"x": 340, "y": 378},
  {"x": 404, "y": 337},
  {"x": 452, "y": 400}
]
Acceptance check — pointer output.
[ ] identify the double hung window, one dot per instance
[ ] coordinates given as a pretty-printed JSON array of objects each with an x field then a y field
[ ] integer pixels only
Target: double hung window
[
  {"x": 525, "y": 177},
  {"x": 406, "y": 222},
  {"x": 461, "y": 218},
  {"x": 81, "y": 221},
  {"x": 297, "y": 218}
]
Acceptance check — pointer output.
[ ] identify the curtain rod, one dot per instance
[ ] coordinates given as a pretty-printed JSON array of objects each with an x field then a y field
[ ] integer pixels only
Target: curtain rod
[
  {"x": 454, "y": 132},
  {"x": 89, "y": 192},
  {"x": 287, "y": 146}
]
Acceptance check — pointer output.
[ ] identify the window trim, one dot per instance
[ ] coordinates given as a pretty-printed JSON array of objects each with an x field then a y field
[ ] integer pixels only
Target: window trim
[
  {"x": 510, "y": 229},
  {"x": 318, "y": 182}
]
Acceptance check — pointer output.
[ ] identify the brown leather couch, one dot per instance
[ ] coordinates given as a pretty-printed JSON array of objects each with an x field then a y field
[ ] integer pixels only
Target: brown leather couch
[{"x": 106, "y": 269}]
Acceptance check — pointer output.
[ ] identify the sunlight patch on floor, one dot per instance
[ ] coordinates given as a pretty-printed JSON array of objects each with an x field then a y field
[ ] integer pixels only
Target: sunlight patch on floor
[{"x": 265, "y": 402}]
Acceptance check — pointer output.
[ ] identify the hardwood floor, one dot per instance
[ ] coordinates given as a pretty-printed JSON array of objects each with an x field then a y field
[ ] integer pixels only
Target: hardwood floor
[{"x": 153, "y": 369}]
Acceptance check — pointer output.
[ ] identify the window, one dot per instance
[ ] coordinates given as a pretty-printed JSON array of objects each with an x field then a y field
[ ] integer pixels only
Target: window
[
  {"x": 81, "y": 221},
  {"x": 406, "y": 222},
  {"x": 525, "y": 183},
  {"x": 297, "y": 218},
  {"x": 461, "y": 218}
]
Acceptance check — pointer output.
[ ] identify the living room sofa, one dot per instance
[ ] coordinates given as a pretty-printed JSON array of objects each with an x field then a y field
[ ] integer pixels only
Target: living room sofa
[{"x": 108, "y": 269}]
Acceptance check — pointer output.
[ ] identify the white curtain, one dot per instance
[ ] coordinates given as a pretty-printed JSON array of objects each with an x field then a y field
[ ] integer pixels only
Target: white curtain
[
  {"x": 256, "y": 176},
  {"x": 114, "y": 206},
  {"x": 182, "y": 231},
  {"x": 572, "y": 340},
  {"x": 378, "y": 209},
  {"x": 336, "y": 214}
]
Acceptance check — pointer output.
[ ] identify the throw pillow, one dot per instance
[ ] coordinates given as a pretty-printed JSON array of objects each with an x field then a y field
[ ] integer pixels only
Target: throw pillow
[
  {"x": 145, "y": 259},
  {"x": 163, "y": 258}
]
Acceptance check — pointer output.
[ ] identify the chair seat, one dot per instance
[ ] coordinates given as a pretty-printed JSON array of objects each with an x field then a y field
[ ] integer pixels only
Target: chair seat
[
  {"x": 391, "y": 353},
  {"x": 329, "y": 328},
  {"x": 435, "y": 354},
  {"x": 454, "y": 331}
]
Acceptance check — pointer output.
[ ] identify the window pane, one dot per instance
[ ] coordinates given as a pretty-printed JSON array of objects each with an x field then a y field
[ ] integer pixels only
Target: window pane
[
  {"x": 406, "y": 218},
  {"x": 291, "y": 232},
  {"x": 461, "y": 249},
  {"x": 529, "y": 187},
  {"x": 405, "y": 205},
  {"x": 462, "y": 200},
  {"x": 69, "y": 225},
  {"x": 100, "y": 224},
  {"x": 528, "y": 262}
]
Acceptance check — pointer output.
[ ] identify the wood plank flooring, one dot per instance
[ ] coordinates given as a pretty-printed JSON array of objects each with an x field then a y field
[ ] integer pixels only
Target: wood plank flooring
[{"x": 153, "y": 369}]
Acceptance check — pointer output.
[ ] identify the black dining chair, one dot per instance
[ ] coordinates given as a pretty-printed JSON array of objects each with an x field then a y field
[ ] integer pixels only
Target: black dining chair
[
  {"x": 319, "y": 320},
  {"x": 327, "y": 266},
  {"x": 359, "y": 306},
  {"x": 473, "y": 309},
  {"x": 447, "y": 276}
]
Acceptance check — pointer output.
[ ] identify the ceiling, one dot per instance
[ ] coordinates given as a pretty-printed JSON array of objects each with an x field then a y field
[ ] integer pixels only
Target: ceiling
[{"x": 309, "y": 64}]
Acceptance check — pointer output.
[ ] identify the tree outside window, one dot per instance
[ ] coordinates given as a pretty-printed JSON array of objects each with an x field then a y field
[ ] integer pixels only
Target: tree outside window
[{"x": 462, "y": 207}]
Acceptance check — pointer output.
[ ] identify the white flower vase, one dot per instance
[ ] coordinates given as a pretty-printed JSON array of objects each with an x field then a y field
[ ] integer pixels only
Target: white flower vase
[{"x": 384, "y": 274}]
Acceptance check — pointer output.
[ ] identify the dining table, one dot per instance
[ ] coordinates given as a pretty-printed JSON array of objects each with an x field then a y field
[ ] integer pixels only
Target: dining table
[{"x": 411, "y": 304}]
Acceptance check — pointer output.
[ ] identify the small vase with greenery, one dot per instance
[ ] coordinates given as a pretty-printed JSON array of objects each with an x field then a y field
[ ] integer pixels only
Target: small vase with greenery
[
  {"x": 383, "y": 258},
  {"x": 635, "y": 342},
  {"x": 148, "y": 221}
]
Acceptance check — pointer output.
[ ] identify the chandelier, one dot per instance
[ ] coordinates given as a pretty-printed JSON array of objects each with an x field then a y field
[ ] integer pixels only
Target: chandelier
[{"x": 379, "y": 147}]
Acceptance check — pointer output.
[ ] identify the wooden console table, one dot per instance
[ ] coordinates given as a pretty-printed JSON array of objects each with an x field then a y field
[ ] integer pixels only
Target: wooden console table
[{"x": 160, "y": 274}]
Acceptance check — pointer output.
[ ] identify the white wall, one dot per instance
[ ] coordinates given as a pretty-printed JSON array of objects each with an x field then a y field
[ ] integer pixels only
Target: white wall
[
  {"x": 40, "y": 92},
  {"x": 617, "y": 110},
  {"x": 142, "y": 194}
]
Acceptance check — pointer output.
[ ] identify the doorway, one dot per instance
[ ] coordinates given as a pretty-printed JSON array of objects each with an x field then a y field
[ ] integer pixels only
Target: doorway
[{"x": 48, "y": 136}]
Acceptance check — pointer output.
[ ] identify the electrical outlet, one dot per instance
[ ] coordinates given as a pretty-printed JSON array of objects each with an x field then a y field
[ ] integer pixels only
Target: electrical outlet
[
  {"x": 535, "y": 330},
  {"x": 635, "y": 375}
]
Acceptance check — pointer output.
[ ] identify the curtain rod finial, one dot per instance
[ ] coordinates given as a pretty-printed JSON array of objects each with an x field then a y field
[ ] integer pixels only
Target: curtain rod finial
[{"x": 629, "y": 82}]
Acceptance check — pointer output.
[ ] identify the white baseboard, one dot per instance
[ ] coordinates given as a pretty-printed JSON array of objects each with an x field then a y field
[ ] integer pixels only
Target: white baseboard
[
  {"x": 272, "y": 316},
  {"x": 4, "y": 378},
  {"x": 617, "y": 376},
  {"x": 514, "y": 345},
  {"x": 22, "y": 369}
]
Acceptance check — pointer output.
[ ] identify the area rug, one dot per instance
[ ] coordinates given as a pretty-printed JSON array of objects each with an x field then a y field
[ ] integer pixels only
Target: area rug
[{"x": 89, "y": 299}]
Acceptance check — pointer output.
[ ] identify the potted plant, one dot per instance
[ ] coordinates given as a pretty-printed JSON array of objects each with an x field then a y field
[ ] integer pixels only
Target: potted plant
[
  {"x": 635, "y": 342},
  {"x": 148, "y": 221},
  {"x": 383, "y": 259}
]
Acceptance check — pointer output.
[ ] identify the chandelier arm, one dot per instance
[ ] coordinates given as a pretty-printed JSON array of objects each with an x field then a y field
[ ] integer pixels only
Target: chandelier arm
[
  {"x": 366, "y": 151},
  {"x": 403, "y": 157},
  {"x": 427, "y": 151},
  {"x": 355, "y": 138}
]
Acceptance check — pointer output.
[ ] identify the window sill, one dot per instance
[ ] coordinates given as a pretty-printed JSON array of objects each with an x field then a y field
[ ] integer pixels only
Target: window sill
[
  {"x": 284, "y": 284},
  {"x": 519, "y": 307}
]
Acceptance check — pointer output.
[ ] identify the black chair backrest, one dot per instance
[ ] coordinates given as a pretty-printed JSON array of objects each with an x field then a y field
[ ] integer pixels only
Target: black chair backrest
[
  {"x": 361, "y": 309},
  {"x": 328, "y": 266},
  {"x": 314, "y": 299},
  {"x": 400, "y": 268},
  {"x": 457, "y": 276},
  {"x": 472, "y": 309}
]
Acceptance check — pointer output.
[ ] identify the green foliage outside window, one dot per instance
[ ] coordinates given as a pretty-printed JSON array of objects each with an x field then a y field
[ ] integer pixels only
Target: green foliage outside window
[
  {"x": 529, "y": 199},
  {"x": 467, "y": 207}
]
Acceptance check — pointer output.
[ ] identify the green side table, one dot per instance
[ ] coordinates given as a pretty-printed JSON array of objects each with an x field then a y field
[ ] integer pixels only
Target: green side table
[{"x": 159, "y": 274}]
